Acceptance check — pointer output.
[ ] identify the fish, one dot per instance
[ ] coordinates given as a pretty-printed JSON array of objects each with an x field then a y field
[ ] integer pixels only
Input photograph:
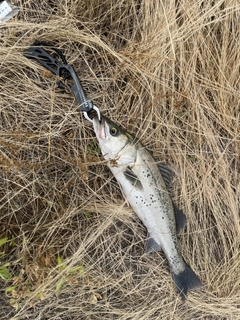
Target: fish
[{"x": 145, "y": 186}]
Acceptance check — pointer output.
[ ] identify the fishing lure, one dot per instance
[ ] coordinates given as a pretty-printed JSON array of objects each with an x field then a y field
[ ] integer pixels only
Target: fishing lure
[{"x": 58, "y": 65}]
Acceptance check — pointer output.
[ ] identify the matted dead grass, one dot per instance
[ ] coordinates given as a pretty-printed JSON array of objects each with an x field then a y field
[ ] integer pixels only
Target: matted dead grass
[{"x": 168, "y": 71}]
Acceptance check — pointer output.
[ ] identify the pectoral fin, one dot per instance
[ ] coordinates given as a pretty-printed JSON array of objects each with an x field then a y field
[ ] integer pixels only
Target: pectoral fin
[{"x": 133, "y": 178}]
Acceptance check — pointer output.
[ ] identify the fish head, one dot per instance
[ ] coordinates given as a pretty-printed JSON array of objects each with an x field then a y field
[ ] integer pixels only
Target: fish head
[{"x": 112, "y": 138}]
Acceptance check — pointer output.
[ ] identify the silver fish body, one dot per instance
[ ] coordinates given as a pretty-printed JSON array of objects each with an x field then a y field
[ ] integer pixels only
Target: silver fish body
[{"x": 144, "y": 188}]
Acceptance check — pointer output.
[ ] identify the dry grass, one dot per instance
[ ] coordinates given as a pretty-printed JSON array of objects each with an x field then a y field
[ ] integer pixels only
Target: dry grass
[{"x": 169, "y": 72}]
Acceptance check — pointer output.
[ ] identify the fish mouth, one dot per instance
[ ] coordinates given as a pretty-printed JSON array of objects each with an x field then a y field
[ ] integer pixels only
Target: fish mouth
[{"x": 100, "y": 127}]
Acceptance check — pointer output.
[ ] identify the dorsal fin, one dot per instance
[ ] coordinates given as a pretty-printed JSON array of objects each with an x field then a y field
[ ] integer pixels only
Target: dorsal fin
[
  {"x": 166, "y": 173},
  {"x": 181, "y": 219}
]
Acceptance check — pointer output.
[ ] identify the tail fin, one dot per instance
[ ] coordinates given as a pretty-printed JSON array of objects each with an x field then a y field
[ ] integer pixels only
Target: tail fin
[{"x": 186, "y": 280}]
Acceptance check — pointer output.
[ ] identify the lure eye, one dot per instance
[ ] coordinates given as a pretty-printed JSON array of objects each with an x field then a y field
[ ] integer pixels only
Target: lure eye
[{"x": 113, "y": 131}]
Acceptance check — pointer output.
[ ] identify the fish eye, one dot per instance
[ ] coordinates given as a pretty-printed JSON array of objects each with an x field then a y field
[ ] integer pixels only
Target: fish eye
[{"x": 113, "y": 131}]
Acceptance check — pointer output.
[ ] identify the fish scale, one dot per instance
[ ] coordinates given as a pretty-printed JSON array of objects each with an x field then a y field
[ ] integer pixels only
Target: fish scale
[{"x": 144, "y": 188}]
